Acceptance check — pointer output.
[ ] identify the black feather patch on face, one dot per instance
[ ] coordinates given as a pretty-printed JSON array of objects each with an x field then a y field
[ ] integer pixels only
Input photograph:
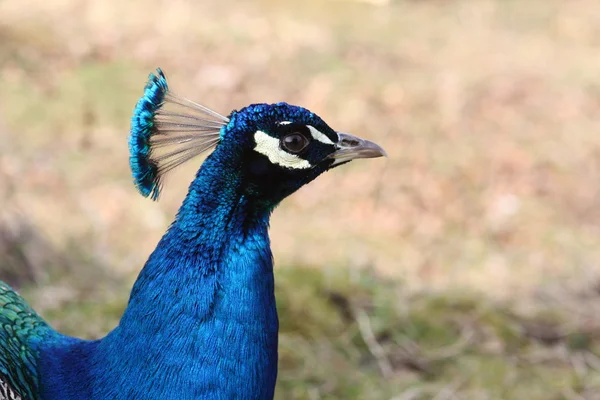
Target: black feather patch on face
[
  {"x": 283, "y": 147},
  {"x": 293, "y": 146}
]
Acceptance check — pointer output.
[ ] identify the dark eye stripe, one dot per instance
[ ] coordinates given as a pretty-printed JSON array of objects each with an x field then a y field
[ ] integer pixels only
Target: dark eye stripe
[{"x": 285, "y": 127}]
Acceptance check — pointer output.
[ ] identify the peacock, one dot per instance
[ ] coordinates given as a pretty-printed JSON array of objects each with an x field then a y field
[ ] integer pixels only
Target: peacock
[{"x": 201, "y": 321}]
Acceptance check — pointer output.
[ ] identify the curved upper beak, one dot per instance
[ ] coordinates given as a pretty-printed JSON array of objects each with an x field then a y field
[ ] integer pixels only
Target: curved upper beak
[{"x": 350, "y": 147}]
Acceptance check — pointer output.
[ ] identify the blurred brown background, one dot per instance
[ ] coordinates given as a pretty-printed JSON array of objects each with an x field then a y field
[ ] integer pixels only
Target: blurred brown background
[{"x": 488, "y": 110}]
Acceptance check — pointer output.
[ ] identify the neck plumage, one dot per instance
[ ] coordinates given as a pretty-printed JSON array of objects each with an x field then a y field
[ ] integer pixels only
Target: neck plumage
[
  {"x": 201, "y": 320},
  {"x": 198, "y": 259},
  {"x": 219, "y": 242}
]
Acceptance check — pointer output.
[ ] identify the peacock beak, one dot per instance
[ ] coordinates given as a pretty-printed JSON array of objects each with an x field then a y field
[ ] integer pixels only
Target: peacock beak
[{"x": 350, "y": 147}]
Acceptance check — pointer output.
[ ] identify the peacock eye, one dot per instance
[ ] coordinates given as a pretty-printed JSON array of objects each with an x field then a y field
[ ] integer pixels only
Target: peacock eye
[{"x": 294, "y": 142}]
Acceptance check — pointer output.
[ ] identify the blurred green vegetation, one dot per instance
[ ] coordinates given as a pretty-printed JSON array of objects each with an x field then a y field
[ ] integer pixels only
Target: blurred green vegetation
[
  {"x": 359, "y": 336},
  {"x": 353, "y": 334},
  {"x": 464, "y": 267}
]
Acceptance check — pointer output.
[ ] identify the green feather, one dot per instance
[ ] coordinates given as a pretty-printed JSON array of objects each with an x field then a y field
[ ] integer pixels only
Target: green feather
[{"x": 20, "y": 331}]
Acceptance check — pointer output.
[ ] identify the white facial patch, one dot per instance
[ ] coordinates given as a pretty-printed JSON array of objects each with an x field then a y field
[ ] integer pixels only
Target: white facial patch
[
  {"x": 269, "y": 147},
  {"x": 317, "y": 135}
]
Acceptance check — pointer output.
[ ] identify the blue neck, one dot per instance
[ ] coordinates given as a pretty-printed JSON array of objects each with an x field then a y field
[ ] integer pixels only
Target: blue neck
[{"x": 201, "y": 322}]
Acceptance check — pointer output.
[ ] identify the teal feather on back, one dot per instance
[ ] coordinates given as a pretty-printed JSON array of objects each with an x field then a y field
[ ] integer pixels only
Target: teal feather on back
[{"x": 21, "y": 329}]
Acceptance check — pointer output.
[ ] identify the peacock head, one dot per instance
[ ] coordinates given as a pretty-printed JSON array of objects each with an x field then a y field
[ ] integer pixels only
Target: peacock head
[{"x": 275, "y": 148}]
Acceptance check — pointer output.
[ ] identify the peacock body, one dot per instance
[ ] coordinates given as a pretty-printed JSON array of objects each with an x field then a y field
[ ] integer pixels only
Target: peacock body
[{"x": 201, "y": 321}]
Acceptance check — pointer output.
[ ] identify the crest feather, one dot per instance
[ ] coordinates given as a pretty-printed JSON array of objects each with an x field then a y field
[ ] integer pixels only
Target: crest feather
[{"x": 166, "y": 131}]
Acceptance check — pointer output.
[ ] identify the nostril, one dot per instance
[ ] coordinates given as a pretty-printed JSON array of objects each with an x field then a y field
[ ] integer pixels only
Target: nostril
[{"x": 350, "y": 142}]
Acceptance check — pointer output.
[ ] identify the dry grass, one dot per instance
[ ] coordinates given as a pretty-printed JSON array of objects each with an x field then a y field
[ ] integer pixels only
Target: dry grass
[{"x": 487, "y": 108}]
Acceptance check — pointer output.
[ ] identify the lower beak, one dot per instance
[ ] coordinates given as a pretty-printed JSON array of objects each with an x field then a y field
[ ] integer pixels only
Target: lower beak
[{"x": 350, "y": 147}]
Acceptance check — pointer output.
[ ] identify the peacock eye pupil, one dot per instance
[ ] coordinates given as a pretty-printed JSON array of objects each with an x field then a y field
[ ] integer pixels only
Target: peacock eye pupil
[{"x": 294, "y": 142}]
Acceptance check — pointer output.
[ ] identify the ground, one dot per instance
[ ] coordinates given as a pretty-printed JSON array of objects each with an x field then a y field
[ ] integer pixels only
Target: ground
[{"x": 464, "y": 266}]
